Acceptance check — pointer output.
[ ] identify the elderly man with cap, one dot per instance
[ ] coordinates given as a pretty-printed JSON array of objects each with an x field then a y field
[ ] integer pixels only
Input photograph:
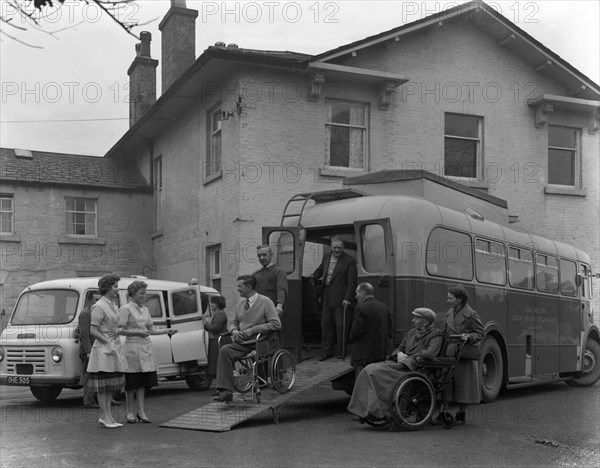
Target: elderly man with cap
[{"x": 372, "y": 395}]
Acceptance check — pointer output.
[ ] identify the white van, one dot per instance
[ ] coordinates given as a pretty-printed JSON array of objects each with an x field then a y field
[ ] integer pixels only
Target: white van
[{"x": 39, "y": 347}]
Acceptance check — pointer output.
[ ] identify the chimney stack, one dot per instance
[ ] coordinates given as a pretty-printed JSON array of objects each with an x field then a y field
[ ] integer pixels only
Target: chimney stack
[
  {"x": 142, "y": 80},
  {"x": 178, "y": 29}
]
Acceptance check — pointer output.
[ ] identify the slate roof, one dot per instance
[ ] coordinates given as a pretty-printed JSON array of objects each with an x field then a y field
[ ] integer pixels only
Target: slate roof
[{"x": 70, "y": 169}]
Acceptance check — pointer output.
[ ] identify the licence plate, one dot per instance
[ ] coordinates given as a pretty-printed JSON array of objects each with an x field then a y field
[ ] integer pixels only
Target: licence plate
[{"x": 18, "y": 380}]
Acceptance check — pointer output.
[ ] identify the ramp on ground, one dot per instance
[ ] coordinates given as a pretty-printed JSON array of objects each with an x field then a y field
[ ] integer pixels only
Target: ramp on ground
[{"x": 220, "y": 417}]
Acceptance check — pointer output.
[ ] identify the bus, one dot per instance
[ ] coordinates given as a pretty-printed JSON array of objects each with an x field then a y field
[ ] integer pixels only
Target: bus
[{"x": 533, "y": 294}]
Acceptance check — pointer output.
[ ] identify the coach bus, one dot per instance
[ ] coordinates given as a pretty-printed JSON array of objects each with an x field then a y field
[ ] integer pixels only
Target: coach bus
[{"x": 534, "y": 295}]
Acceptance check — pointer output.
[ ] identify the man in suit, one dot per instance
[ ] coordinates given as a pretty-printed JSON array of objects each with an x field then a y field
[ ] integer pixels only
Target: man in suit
[
  {"x": 338, "y": 276},
  {"x": 372, "y": 329},
  {"x": 271, "y": 281},
  {"x": 254, "y": 314}
]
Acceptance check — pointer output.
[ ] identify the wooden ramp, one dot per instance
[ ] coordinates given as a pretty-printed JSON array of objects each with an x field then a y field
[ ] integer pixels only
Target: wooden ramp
[{"x": 219, "y": 417}]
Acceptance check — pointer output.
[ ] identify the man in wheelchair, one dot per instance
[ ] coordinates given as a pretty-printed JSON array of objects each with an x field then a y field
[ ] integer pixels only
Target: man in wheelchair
[
  {"x": 254, "y": 314},
  {"x": 372, "y": 395}
]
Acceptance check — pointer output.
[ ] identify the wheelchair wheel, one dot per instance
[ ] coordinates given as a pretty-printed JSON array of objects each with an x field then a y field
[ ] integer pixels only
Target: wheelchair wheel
[
  {"x": 413, "y": 401},
  {"x": 283, "y": 371},
  {"x": 242, "y": 377}
]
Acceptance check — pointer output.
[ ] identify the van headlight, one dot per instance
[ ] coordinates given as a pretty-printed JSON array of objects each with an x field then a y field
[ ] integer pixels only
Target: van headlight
[
  {"x": 1, "y": 354},
  {"x": 57, "y": 354}
]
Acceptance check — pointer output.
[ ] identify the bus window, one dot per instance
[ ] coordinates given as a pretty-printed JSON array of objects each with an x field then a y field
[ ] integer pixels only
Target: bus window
[
  {"x": 449, "y": 254},
  {"x": 373, "y": 248},
  {"x": 546, "y": 273},
  {"x": 153, "y": 305},
  {"x": 490, "y": 262},
  {"x": 282, "y": 245},
  {"x": 568, "y": 271},
  {"x": 520, "y": 268},
  {"x": 185, "y": 302}
]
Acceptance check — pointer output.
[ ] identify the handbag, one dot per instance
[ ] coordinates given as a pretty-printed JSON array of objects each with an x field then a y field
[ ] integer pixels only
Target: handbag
[{"x": 470, "y": 352}]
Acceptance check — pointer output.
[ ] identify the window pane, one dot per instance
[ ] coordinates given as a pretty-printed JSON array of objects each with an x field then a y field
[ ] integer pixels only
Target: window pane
[
  {"x": 568, "y": 271},
  {"x": 153, "y": 304},
  {"x": 373, "y": 248},
  {"x": 217, "y": 262},
  {"x": 546, "y": 273},
  {"x": 462, "y": 125},
  {"x": 520, "y": 268},
  {"x": 490, "y": 262},
  {"x": 562, "y": 137},
  {"x": 561, "y": 167},
  {"x": 460, "y": 159},
  {"x": 340, "y": 147},
  {"x": 185, "y": 302},
  {"x": 340, "y": 112},
  {"x": 449, "y": 254}
]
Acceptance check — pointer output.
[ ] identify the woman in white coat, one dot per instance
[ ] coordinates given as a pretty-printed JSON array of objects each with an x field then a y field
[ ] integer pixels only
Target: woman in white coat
[{"x": 136, "y": 325}]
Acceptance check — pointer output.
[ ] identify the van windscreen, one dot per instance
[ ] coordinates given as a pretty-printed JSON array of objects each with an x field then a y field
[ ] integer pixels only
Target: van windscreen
[{"x": 46, "y": 307}]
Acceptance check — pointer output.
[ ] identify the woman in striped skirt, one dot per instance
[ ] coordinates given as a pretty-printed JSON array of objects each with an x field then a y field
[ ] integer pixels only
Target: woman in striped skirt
[{"x": 106, "y": 364}]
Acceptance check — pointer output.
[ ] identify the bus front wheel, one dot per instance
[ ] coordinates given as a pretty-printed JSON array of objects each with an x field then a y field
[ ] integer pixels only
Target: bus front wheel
[
  {"x": 492, "y": 369},
  {"x": 46, "y": 394},
  {"x": 590, "y": 367}
]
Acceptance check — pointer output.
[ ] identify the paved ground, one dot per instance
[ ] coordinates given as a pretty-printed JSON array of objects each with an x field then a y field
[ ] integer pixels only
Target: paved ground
[{"x": 315, "y": 430}]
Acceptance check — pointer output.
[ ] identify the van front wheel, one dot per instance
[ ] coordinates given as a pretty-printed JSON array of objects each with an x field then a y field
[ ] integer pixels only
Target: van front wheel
[
  {"x": 200, "y": 381},
  {"x": 46, "y": 394}
]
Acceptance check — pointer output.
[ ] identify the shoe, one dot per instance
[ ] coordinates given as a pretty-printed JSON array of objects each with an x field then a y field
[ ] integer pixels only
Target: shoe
[
  {"x": 339, "y": 356},
  {"x": 225, "y": 396},
  {"x": 108, "y": 425},
  {"x": 131, "y": 419},
  {"x": 116, "y": 403},
  {"x": 324, "y": 357},
  {"x": 460, "y": 419},
  {"x": 91, "y": 405},
  {"x": 144, "y": 420}
]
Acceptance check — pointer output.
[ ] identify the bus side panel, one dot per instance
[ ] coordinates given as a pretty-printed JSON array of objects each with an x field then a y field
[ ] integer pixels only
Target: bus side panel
[
  {"x": 490, "y": 303},
  {"x": 546, "y": 335},
  {"x": 569, "y": 329},
  {"x": 522, "y": 330}
]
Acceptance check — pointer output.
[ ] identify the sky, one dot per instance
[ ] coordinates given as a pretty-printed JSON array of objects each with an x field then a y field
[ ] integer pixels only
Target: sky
[{"x": 65, "y": 90}]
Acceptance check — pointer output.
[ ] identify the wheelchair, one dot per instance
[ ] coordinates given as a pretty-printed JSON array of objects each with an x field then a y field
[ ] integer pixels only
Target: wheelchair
[
  {"x": 267, "y": 365},
  {"x": 416, "y": 394}
]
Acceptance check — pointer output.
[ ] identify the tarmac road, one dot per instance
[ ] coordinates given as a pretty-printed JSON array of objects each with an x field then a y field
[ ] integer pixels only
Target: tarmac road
[{"x": 314, "y": 430}]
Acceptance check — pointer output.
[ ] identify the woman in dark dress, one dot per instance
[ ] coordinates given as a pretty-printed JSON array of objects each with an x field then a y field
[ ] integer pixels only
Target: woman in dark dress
[
  {"x": 215, "y": 324},
  {"x": 462, "y": 320}
]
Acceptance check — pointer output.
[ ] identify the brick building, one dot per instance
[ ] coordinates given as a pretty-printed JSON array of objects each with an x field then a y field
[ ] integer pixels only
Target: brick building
[{"x": 464, "y": 94}]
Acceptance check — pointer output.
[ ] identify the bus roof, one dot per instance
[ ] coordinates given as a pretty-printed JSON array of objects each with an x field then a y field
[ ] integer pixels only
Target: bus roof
[{"x": 414, "y": 217}]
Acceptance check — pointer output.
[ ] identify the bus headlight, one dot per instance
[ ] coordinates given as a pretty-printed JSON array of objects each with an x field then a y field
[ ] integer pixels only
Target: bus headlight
[
  {"x": 1, "y": 354},
  {"x": 57, "y": 354}
]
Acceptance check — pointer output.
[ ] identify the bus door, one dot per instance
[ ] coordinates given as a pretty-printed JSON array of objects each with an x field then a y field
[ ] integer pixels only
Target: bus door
[
  {"x": 285, "y": 244},
  {"x": 375, "y": 258}
]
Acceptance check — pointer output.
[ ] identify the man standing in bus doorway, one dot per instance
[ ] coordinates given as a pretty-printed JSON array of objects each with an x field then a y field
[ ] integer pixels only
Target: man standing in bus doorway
[
  {"x": 271, "y": 281},
  {"x": 338, "y": 276},
  {"x": 372, "y": 329}
]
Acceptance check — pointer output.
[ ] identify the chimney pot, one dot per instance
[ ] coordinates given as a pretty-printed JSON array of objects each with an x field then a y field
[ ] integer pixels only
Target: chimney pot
[
  {"x": 146, "y": 38},
  {"x": 233, "y": 46},
  {"x": 219, "y": 44}
]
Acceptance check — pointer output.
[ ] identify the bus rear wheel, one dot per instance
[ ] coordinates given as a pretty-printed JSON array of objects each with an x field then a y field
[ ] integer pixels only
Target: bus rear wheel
[
  {"x": 590, "y": 367},
  {"x": 492, "y": 369},
  {"x": 47, "y": 394},
  {"x": 200, "y": 381}
]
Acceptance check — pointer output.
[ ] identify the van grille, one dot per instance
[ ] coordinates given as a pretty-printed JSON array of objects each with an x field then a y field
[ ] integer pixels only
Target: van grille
[{"x": 33, "y": 356}]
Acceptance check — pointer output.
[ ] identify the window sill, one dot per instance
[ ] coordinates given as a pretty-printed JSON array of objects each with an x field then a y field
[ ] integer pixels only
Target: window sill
[
  {"x": 10, "y": 238},
  {"x": 339, "y": 172},
  {"x": 564, "y": 190},
  {"x": 81, "y": 240},
  {"x": 156, "y": 234},
  {"x": 210, "y": 178}
]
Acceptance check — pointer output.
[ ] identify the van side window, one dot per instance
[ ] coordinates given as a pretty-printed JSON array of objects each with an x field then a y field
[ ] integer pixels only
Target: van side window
[
  {"x": 568, "y": 271},
  {"x": 153, "y": 304},
  {"x": 585, "y": 281},
  {"x": 185, "y": 302},
  {"x": 520, "y": 268},
  {"x": 373, "y": 248},
  {"x": 546, "y": 273},
  {"x": 449, "y": 254},
  {"x": 490, "y": 262}
]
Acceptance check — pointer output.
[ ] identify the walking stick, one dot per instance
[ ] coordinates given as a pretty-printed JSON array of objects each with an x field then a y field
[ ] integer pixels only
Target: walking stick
[{"x": 344, "y": 333}]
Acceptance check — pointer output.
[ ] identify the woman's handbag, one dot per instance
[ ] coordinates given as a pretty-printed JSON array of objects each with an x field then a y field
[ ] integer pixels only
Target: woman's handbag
[{"x": 470, "y": 352}]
